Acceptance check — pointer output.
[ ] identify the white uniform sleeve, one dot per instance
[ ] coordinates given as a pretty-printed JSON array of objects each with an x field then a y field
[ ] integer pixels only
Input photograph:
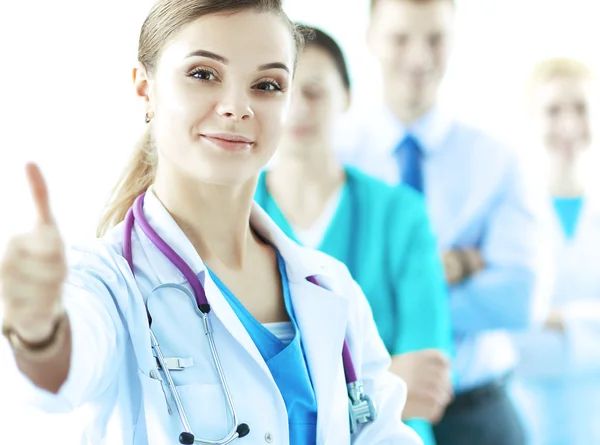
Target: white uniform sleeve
[
  {"x": 98, "y": 337},
  {"x": 387, "y": 390}
]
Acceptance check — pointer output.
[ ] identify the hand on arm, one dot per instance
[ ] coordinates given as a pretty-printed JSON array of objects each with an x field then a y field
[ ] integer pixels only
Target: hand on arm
[
  {"x": 460, "y": 264},
  {"x": 427, "y": 377}
]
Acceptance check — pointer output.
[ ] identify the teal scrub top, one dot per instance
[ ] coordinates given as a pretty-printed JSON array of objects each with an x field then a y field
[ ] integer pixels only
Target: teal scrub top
[
  {"x": 287, "y": 364},
  {"x": 568, "y": 211},
  {"x": 384, "y": 237}
]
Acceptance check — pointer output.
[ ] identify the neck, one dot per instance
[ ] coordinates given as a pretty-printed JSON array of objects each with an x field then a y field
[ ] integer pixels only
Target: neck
[
  {"x": 566, "y": 179},
  {"x": 302, "y": 185},
  {"x": 215, "y": 218},
  {"x": 408, "y": 112}
]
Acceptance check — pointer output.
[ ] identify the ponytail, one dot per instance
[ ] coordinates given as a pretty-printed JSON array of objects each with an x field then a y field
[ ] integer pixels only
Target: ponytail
[{"x": 135, "y": 179}]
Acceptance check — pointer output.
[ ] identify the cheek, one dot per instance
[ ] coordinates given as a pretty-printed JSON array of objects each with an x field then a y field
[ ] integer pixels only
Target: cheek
[
  {"x": 395, "y": 58},
  {"x": 584, "y": 126},
  {"x": 547, "y": 131},
  {"x": 387, "y": 52},
  {"x": 181, "y": 99},
  {"x": 441, "y": 56},
  {"x": 330, "y": 112}
]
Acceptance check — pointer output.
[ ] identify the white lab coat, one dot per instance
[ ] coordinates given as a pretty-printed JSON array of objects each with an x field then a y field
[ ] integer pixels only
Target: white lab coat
[
  {"x": 557, "y": 383},
  {"x": 112, "y": 358}
]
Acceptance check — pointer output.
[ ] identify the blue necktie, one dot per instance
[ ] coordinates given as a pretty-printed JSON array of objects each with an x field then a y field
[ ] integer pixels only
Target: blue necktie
[{"x": 409, "y": 158}]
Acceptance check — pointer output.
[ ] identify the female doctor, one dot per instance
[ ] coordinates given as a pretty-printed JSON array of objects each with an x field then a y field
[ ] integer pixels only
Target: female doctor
[
  {"x": 195, "y": 319},
  {"x": 380, "y": 232},
  {"x": 558, "y": 378}
]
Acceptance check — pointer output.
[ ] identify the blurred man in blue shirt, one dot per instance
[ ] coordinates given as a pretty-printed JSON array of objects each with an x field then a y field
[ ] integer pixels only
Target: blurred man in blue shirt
[{"x": 484, "y": 214}]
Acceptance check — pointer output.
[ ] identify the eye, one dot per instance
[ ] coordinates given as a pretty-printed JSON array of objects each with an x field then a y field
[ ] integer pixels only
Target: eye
[
  {"x": 203, "y": 74},
  {"x": 312, "y": 93},
  {"x": 268, "y": 85}
]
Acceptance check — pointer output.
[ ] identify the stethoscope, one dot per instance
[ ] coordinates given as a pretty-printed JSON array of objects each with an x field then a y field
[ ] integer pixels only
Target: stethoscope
[{"x": 360, "y": 406}]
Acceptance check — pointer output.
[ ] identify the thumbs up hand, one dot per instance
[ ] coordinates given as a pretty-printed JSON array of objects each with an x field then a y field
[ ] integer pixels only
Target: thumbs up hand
[{"x": 33, "y": 271}]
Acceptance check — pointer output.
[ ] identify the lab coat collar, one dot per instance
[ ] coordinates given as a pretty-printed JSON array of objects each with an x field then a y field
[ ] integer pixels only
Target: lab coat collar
[
  {"x": 322, "y": 317},
  {"x": 165, "y": 226},
  {"x": 314, "y": 306},
  {"x": 321, "y": 314},
  {"x": 430, "y": 130}
]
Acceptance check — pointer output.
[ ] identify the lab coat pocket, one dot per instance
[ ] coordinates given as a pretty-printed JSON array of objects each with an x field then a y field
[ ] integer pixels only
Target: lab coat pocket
[
  {"x": 204, "y": 405},
  {"x": 179, "y": 329},
  {"x": 206, "y": 408}
]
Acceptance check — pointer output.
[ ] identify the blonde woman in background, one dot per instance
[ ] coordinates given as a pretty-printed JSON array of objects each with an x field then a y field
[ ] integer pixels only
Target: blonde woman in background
[{"x": 558, "y": 379}]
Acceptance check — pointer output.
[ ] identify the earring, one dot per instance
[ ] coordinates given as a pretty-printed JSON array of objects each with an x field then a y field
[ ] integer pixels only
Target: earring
[{"x": 147, "y": 118}]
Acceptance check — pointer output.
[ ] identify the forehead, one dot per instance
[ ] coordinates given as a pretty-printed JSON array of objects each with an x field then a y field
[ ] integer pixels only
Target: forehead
[
  {"x": 413, "y": 16},
  {"x": 315, "y": 62},
  {"x": 244, "y": 38},
  {"x": 563, "y": 89}
]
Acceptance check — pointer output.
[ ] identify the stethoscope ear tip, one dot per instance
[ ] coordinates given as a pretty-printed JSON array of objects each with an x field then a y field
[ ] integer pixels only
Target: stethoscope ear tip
[
  {"x": 243, "y": 429},
  {"x": 186, "y": 438}
]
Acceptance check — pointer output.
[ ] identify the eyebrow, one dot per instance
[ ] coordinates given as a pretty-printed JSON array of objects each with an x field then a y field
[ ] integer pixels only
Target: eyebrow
[
  {"x": 277, "y": 65},
  {"x": 225, "y": 61}
]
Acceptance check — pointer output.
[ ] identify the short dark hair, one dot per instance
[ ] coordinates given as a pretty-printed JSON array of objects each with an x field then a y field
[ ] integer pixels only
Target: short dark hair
[{"x": 320, "y": 39}]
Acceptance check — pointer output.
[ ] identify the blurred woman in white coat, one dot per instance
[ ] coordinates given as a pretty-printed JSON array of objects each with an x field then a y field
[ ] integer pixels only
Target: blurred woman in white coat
[
  {"x": 558, "y": 380},
  {"x": 194, "y": 319}
]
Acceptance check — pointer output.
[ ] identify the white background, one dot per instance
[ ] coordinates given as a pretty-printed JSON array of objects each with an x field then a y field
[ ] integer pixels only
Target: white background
[{"x": 66, "y": 99}]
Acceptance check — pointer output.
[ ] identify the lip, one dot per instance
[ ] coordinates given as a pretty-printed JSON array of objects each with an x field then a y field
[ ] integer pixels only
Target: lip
[{"x": 229, "y": 141}]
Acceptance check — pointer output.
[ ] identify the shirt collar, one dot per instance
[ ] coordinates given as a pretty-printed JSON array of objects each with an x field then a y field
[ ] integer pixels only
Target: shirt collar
[{"x": 430, "y": 130}]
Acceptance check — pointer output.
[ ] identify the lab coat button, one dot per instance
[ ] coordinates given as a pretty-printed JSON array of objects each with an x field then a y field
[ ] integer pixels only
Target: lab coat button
[{"x": 268, "y": 438}]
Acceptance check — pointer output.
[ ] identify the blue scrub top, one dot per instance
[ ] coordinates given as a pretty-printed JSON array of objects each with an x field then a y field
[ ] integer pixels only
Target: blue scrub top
[
  {"x": 568, "y": 211},
  {"x": 383, "y": 235},
  {"x": 287, "y": 364}
]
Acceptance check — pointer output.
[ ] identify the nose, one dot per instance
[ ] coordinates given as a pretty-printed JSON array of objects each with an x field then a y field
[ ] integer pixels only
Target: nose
[
  {"x": 235, "y": 104},
  {"x": 418, "y": 55},
  {"x": 569, "y": 125}
]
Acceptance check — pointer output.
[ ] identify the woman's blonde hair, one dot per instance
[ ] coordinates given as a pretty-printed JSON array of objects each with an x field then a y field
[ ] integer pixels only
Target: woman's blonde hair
[
  {"x": 164, "y": 20},
  {"x": 558, "y": 68}
]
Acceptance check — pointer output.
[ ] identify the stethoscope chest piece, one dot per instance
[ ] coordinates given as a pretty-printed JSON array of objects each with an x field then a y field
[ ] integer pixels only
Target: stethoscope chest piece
[{"x": 361, "y": 407}]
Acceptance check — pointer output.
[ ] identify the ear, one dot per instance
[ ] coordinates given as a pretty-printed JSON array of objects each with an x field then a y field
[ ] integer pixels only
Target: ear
[{"x": 141, "y": 81}]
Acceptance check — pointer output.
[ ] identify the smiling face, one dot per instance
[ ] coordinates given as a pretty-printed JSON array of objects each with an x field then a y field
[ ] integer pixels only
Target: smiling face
[
  {"x": 561, "y": 108},
  {"x": 412, "y": 40},
  {"x": 219, "y": 96}
]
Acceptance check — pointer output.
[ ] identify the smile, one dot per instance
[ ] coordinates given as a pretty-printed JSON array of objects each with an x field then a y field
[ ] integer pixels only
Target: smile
[{"x": 229, "y": 142}]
